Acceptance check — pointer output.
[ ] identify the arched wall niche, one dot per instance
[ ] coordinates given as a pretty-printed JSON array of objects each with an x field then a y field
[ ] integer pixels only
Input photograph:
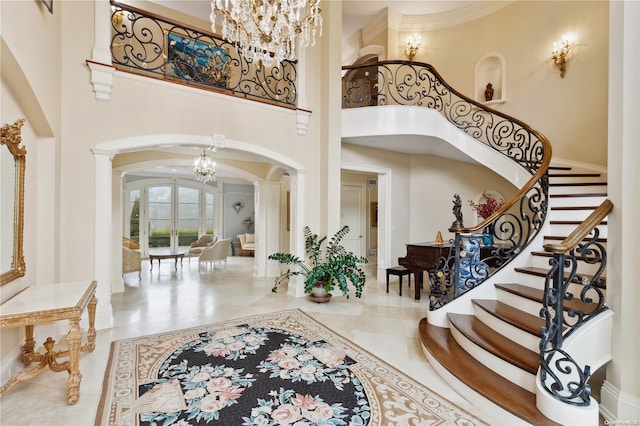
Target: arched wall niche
[{"x": 490, "y": 69}]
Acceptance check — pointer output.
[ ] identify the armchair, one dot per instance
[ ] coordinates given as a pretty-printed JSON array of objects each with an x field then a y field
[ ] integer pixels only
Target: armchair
[
  {"x": 197, "y": 247},
  {"x": 216, "y": 253},
  {"x": 131, "y": 261},
  {"x": 247, "y": 244}
]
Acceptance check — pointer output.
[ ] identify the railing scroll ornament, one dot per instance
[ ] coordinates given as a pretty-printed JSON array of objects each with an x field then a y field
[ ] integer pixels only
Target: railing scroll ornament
[{"x": 158, "y": 47}]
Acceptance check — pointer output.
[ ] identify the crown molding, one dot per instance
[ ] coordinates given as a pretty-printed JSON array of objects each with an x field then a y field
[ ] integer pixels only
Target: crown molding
[
  {"x": 351, "y": 48},
  {"x": 377, "y": 26}
]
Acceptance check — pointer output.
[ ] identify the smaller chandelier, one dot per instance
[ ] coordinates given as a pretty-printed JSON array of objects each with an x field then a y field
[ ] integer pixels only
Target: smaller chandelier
[
  {"x": 204, "y": 168},
  {"x": 261, "y": 28},
  {"x": 411, "y": 46},
  {"x": 560, "y": 56}
]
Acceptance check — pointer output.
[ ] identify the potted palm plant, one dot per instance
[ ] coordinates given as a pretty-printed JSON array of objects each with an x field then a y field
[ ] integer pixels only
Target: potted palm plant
[{"x": 323, "y": 271}]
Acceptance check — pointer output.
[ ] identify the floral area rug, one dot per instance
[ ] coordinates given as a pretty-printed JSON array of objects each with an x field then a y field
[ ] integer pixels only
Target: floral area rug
[{"x": 283, "y": 368}]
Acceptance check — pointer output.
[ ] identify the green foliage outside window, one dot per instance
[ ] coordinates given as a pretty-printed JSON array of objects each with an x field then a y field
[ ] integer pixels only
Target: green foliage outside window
[
  {"x": 134, "y": 221},
  {"x": 161, "y": 237}
]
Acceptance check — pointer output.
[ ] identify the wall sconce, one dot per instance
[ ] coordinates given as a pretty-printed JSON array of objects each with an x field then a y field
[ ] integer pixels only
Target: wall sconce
[
  {"x": 237, "y": 207},
  {"x": 560, "y": 56},
  {"x": 411, "y": 46}
]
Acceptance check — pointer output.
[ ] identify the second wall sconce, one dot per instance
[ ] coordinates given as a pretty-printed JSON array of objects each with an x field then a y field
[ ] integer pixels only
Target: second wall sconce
[
  {"x": 559, "y": 55},
  {"x": 411, "y": 46}
]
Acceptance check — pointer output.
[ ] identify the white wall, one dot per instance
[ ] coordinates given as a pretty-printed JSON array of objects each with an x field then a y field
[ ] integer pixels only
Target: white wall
[
  {"x": 571, "y": 111},
  {"x": 434, "y": 181}
]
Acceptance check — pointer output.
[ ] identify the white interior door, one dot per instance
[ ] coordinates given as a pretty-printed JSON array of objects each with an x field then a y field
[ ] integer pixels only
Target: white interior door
[{"x": 353, "y": 214}]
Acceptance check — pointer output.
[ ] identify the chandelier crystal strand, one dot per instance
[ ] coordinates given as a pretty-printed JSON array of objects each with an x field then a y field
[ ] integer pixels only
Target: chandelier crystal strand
[
  {"x": 204, "y": 168},
  {"x": 260, "y": 28}
]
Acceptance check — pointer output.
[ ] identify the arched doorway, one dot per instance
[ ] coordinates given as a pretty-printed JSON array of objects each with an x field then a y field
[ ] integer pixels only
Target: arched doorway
[{"x": 108, "y": 196}]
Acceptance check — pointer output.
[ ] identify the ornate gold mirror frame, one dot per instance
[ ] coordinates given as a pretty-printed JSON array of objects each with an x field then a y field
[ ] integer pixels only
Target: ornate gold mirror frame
[{"x": 10, "y": 136}]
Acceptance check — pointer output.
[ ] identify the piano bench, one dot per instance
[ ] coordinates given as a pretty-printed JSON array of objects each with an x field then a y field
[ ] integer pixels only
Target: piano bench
[{"x": 398, "y": 271}]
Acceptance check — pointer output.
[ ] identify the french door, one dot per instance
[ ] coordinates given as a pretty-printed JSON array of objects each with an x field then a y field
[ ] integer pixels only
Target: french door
[
  {"x": 168, "y": 217},
  {"x": 173, "y": 217}
]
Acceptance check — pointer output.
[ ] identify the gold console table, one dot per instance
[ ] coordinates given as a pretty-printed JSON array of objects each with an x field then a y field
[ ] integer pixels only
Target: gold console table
[{"x": 45, "y": 304}]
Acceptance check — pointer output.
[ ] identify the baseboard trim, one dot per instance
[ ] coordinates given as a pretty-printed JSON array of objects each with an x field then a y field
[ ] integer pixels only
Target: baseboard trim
[{"x": 618, "y": 407}]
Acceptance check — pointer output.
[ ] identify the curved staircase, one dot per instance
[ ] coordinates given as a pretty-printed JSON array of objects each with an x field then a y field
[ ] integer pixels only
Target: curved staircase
[{"x": 491, "y": 356}]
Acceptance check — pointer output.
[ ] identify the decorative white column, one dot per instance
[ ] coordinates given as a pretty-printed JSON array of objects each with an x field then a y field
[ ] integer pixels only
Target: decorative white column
[
  {"x": 270, "y": 221},
  {"x": 620, "y": 392},
  {"x": 260, "y": 203},
  {"x": 298, "y": 182},
  {"x": 102, "y": 234},
  {"x": 117, "y": 284}
]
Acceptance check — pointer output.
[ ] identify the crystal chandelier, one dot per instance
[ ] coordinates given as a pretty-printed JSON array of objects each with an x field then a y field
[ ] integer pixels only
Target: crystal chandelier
[
  {"x": 204, "y": 168},
  {"x": 262, "y": 27}
]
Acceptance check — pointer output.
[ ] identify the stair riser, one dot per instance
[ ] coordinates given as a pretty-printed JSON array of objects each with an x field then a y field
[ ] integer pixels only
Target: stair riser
[
  {"x": 526, "y": 305},
  {"x": 563, "y": 229},
  {"x": 508, "y": 371},
  {"x": 530, "y": 280},
  {"x": 576, "y": 201},
  {"x": 575, "y": 215},
  {"x": 583, "y": 189},
  {"x": 523, "y": 338},
  {"x": 583, "y": 268},
  {"x": 574, "y": 179},
  {"x": 556, "y": 241},
  {"x": 534, "y": 281}
]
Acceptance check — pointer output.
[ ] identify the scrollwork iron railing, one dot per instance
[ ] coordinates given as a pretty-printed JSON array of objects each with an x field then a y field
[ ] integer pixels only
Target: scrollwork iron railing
[
  {"x": 518, "y": 221},
  {"x": 158, "y": 47},
  {"x": 564, "y": 313}
]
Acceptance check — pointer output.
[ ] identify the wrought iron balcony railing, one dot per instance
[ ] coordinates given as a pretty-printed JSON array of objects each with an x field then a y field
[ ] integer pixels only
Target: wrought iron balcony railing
[
  {"x": 147, "y": 44},
  {"x": 518, "y": 221}
]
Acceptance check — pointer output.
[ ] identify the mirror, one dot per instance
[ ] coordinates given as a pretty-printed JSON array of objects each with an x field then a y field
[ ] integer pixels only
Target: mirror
[{"x": 12, "y": 164}]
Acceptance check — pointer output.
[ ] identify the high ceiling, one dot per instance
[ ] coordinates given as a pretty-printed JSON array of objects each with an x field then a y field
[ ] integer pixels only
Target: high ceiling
[{"x": 355, "y": 14}]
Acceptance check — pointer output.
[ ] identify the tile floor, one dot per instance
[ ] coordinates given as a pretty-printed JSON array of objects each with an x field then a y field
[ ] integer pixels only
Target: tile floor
[{"x": 166, "y": 299}]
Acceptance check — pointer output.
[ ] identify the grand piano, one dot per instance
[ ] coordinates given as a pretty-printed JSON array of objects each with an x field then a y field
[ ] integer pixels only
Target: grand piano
[{"x": 422, "y": 257}]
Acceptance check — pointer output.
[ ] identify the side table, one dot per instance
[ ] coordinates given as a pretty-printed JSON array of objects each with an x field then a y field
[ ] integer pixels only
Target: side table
[{"x": 45, "y": 304}]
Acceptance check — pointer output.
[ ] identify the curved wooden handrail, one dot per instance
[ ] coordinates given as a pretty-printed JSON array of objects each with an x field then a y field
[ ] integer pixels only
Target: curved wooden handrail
[
  {"x": 581, "y": 232},
  {"x": 546, "y": 145}
]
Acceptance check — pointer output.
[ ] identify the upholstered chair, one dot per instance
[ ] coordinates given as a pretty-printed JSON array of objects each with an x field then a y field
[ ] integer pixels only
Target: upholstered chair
[
  {"x": 247, "y": 244},
  {"x": 196, "y": 248},
  {"x": 131, "y": 261},
  {"x": 216, "y": 253}
]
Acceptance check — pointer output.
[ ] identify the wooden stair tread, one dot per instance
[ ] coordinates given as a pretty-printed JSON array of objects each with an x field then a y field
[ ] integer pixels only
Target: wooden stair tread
[
  {"x": 495, "y": 343},
  {"x": 577, "y": 184},
  {"x": 554, "y": 175},
  {"x": 571, "y": 222},
  {"x": 502, "y": 392},
  {"x": 574, "y": 195},
  {"x": 536, "y": 295},
  {"x": 561, "y": 237},
  {"x": 574, "y": 208},
  {"x": 547, "y": 254},
  {"x": 542, "y": 272},
  {"x": 517, "y": 318}
]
